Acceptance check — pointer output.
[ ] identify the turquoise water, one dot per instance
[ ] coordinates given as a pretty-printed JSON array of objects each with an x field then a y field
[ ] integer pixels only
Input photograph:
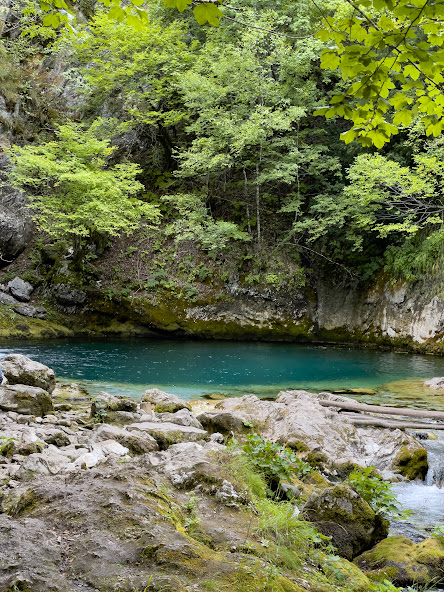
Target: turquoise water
[{"x": 195, "y": 368}]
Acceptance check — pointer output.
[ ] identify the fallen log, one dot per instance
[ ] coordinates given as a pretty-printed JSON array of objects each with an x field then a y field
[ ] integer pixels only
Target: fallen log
[
  {"x": 352, "y": 406},
  {"x": 384, "y": 423}
]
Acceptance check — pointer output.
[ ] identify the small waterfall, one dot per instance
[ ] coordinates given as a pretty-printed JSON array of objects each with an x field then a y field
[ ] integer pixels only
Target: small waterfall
[
  {"x": 435, "y": 456},
  {"x": 425, "y": 500}
]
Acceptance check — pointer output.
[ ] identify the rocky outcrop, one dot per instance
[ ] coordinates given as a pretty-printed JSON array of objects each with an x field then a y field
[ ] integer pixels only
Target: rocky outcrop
[
  {"x": 296, "y": 417},
  {"x": 15, "y": 220},
  {"x": 20, "y": 369},
  {"x": 339, "y": 512},
  {"x": 403, "y": 562}
]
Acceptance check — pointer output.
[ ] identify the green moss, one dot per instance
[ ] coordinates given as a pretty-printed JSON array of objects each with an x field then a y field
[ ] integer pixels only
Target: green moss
[{"x": 412, "y": 463}]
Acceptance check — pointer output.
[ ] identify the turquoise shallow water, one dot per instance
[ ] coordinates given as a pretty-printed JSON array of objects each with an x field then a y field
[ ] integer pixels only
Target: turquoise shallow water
[{"x": 194, "y": 368}]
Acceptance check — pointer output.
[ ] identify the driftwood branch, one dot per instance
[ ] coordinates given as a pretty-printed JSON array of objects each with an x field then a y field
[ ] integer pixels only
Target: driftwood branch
[
  {"x": 378, "y": 422},
  {"x": 362, "y": 407}
]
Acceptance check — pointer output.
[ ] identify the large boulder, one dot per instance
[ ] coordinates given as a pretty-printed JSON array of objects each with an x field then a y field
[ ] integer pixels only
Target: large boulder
[
  {"x": 137, "y": 442},
  {"x": 161, "y": 402},
  {"x": 339, "y": 512},
  {"x": 104, "y": 402},
  {"x": 224, "y": 422},
  {"x": 166, "y": 433},
  {"x": 182, "y": 417},
  {"x": 28, "y": 400},
  {"x": 298, "y": 419},
  {"x": 20, "y": 289},
  {"x": 19, "y": 369},
  {"x": 398, "y": 559}
]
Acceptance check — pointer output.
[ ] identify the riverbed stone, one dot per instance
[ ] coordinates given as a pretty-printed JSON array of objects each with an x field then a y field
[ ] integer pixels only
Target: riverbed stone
[
  {"x": 161, "y": 402},
  {"x": 24, "y": 399},
  {"x": 435, "y": 383},
  {"x": 20, "y": 289},
  {"x": 137, "y": 442},
  {"x": 225, "y": 422},
  {"x": 182, "y": 417},
  {"x": 166, "y": 433},
  {"x": 20, "y": 369},
  {"x": 339, "y": 512},
  {"x": 404, "y": 562},
  {"x": 106, "y": 405}
]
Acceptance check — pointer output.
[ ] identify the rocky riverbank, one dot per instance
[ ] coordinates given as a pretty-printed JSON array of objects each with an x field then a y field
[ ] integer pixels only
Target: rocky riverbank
[{"x": 111, "y": 494}]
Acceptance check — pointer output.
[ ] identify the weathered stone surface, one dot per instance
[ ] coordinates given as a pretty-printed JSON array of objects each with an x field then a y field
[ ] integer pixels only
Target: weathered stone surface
[
  {"x": 296, "y": 417},
  {"x": 20, "y": 289},
  {"x": 104, "y": 402},
  {"x": 341, "y": 513},
  {"x": 398, "y": 559},
  {"x": 15, "y": 220},
  {"x": 34, "y": 312},
  {"x": 162, "y": 402},
  {"x": 166, "y": 433},
  {"x": 31, "y": 556},
  {"x": 181, "y": 417},
  {"x": 19, "y": 369},
  {"x": 225, "y": 422},
  {"x": 136, "y": 441},
  {"x": 28, "y": 400},
  {"x": 69, "y": 296},
  {"x": 435, "y": 383},
  {"x": 7, "y": 299}
]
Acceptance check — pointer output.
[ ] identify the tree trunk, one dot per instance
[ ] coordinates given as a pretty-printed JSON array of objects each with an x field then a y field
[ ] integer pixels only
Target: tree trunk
[{"x": 351, "y": 406}]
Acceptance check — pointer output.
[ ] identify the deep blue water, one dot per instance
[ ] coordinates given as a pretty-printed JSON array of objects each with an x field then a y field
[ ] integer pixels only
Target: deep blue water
[{"x": 193, "y": 368}]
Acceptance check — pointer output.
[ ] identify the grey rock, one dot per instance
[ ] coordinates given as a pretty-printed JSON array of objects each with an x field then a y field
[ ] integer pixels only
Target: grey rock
[
  {"x": 20, "y": 369},
  {"x": 104, "y": 402},
  {"x": 136, "y": 442},
  {"x": 181, "y": 417},
  {"x": 291, "y": 491},
  {"x": 31, "y": 556},
  {"x": 34, "y": 312},
  {"x": 69, "y": 296},
  {"x": 166, "y": 433},
  {"x": 7, "y": 299},
  {"x": 20, "y": 289},
  {"x": 225, "y": 422},
  {"x": 161, "y": 402},
  {"x": 28, "y": 400},
  {"x": 435, "y": 383}
]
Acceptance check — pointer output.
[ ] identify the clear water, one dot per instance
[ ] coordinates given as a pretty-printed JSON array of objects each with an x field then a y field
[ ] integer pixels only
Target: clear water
[
  {"x": 193, "y": 368},
  {"x": 424, "y": 500}
]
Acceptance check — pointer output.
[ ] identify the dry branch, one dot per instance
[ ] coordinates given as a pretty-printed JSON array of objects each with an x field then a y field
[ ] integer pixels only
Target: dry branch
[{"x": 384, "y": 410}]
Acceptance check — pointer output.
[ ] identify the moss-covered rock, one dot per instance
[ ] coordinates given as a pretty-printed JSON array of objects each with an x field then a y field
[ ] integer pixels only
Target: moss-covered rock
[
  {"x": 404, "y": 563},
  {"x": 341, "y": 513},
  {"x": 411, "y": 461}
]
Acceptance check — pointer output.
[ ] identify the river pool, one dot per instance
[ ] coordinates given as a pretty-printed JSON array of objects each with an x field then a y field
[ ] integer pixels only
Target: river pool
[{"x": 192, "y": 369}]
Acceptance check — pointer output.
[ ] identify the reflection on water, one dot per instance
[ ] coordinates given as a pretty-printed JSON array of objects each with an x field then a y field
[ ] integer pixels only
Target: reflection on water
[{"x": 193, "y": 368}]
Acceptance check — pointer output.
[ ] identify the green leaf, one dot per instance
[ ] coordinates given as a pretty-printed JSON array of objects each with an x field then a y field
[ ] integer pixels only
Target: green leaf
[
  {"x": 181, "y": 5},
  {"x": 207, "y": 13}
]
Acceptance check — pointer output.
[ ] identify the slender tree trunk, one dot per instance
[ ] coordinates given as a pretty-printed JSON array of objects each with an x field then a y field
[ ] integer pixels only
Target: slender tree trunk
[
  {"x": 246, "y": 201},
  {"x": 258, "y": 203}
]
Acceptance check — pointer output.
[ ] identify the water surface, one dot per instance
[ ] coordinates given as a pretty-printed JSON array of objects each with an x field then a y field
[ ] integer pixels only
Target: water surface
[{"x": 194, "y": 368}]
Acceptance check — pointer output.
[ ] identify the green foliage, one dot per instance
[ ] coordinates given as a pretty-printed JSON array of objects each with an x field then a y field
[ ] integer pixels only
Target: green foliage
[
  {"x": 438, "y": 533},
  {"x": 376, "y": 492},
  {"x": 195, "y": 223},
  {"x": 273, "y": 461},
  {"x": 75, "y": 191},
  {"x": 390, "y": 56}
]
